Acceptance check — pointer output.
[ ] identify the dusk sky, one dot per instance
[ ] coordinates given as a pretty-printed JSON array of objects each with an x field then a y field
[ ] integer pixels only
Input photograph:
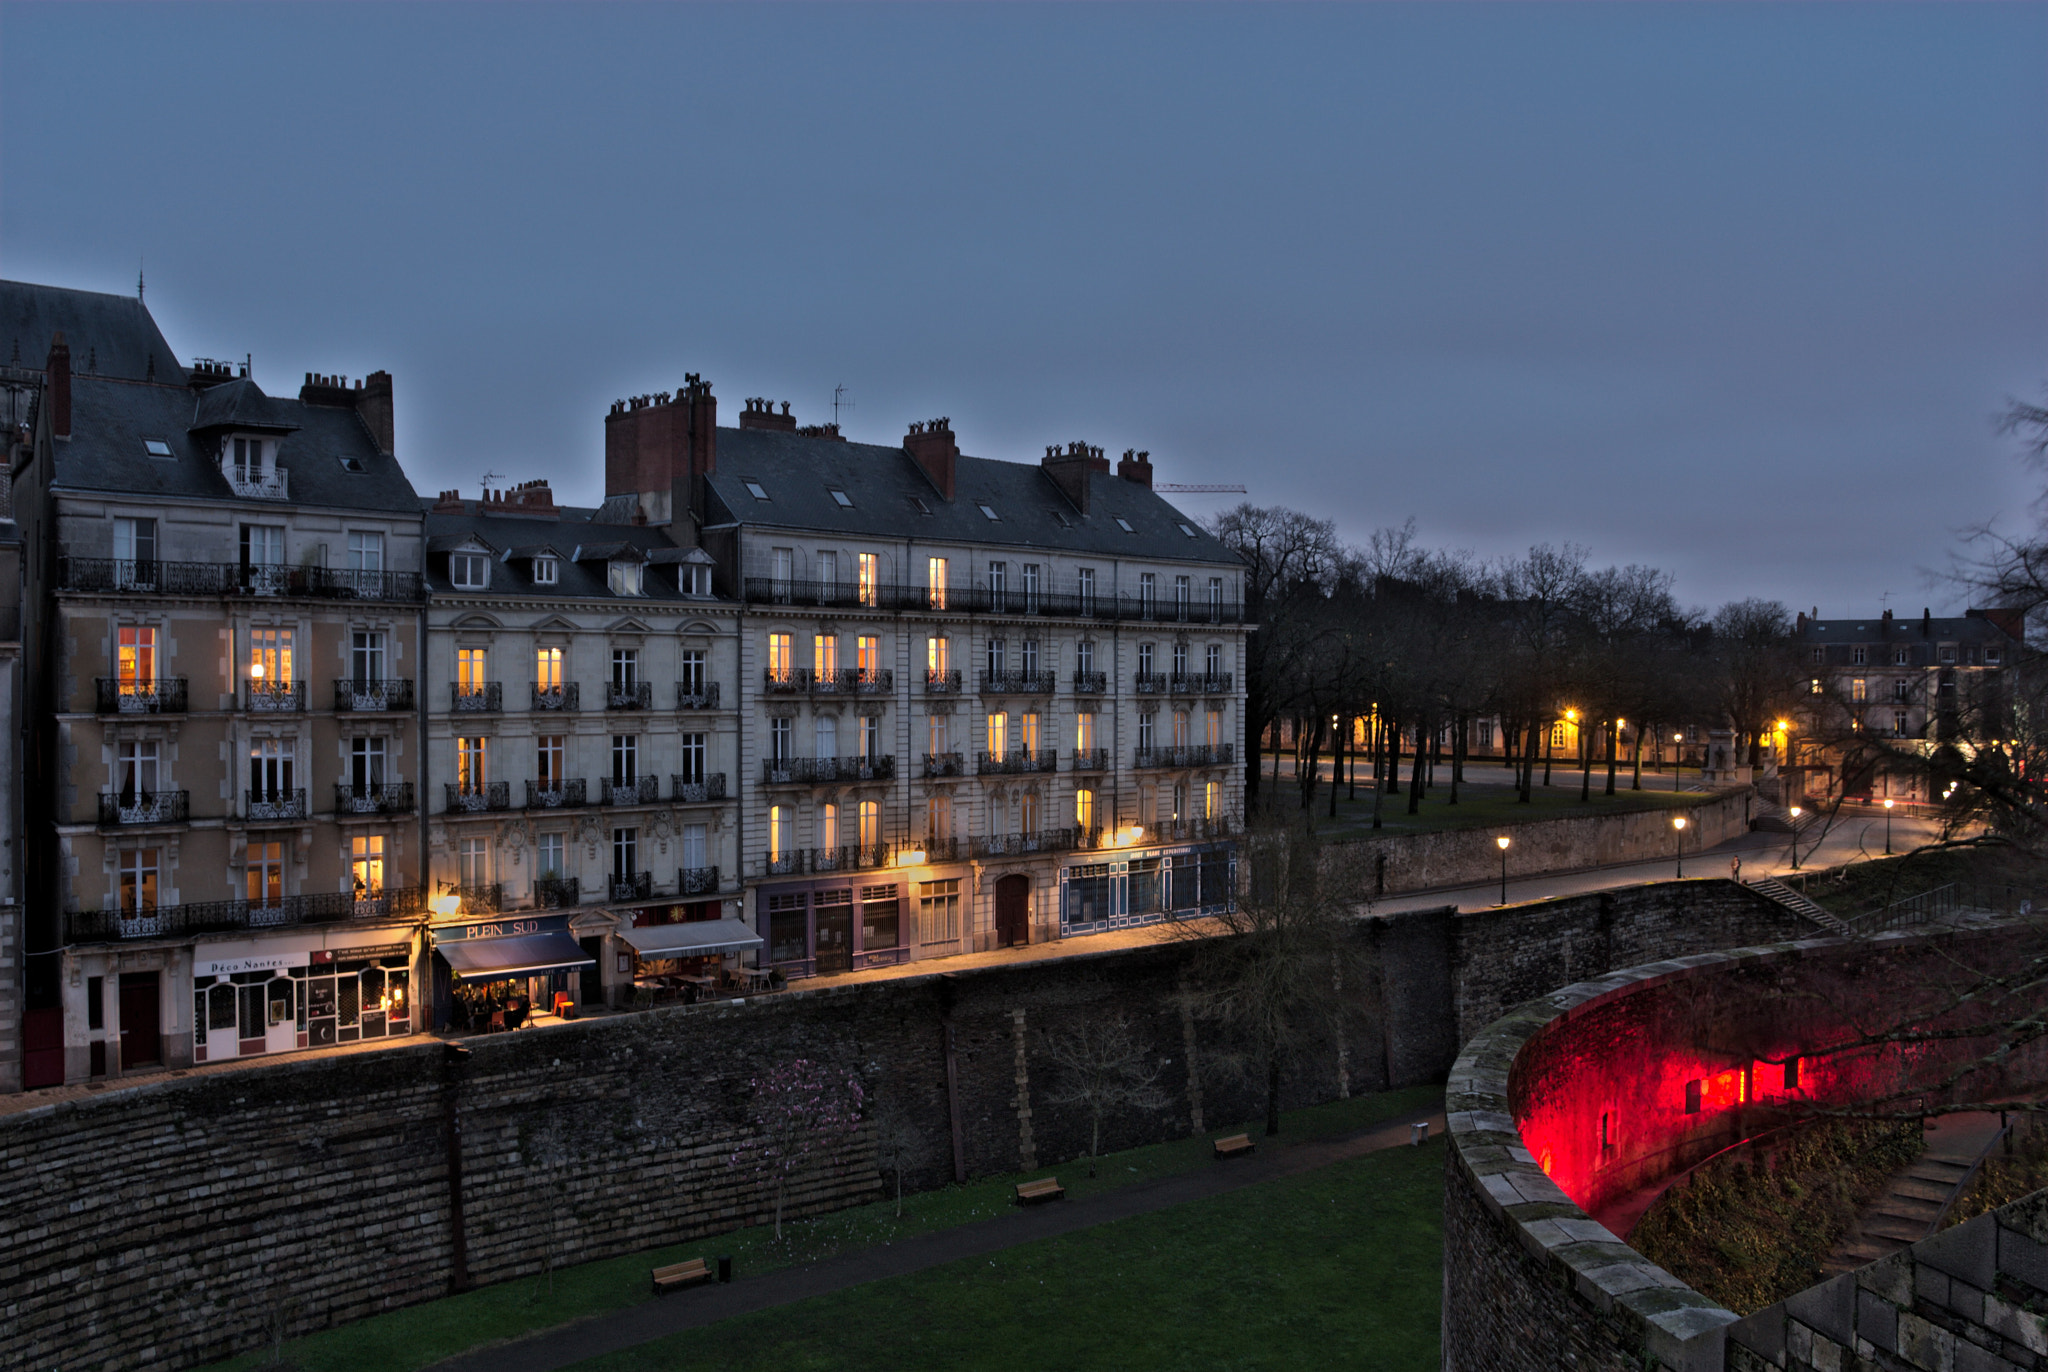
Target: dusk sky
[{"x": 1736, "y": 290}]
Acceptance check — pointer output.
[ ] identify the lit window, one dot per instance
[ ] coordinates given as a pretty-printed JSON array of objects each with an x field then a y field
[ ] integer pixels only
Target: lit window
[
  {"x": 469, "y": 571},
  {"x": 156, "y": 447},
  {"x": 754, "y": 489},
  {"x": 779, "y": 664},
  {"x": 1125, "y": 525},
  {"x": 842, "y": 500},
  {"x": 624, "y": 578},
  {"x": 870, "y": 578},
  {"x": 935, "y": 573},
  {"x": 1084, "y": 809},
  {"x": 990, "y": 512},
  {"x": 546, "y": 571},
  {"x": 1859, "y": 688}
]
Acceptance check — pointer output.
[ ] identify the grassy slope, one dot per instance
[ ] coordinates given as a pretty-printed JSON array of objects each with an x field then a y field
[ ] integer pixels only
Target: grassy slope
[{"x": 419, "y": 1335}]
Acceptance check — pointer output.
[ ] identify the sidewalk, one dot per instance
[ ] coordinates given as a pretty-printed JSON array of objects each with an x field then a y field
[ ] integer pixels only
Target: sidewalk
[{"x": 660, "y": 1317}]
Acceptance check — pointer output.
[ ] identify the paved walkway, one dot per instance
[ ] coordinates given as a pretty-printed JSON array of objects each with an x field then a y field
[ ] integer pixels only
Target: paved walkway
[{"x": 653, "y": 1319}]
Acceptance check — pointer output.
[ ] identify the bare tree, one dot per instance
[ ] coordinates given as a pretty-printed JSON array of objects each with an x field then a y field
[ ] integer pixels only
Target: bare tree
[
  {"x": 900, "y": 1144},
  {"x": 1104, "y": 1068}
]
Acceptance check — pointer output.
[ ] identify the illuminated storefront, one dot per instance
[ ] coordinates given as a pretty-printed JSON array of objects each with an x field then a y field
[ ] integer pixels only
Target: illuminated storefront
[{"x": 277, "y": 995}]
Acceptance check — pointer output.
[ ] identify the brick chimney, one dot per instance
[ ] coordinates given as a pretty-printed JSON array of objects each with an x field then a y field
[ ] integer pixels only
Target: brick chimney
[
  {"x": 57, "y": 376},
  {"x": 535, "y": 498},
  {"x": 760, "y": 414},
  {"x": 657, "y": 446},
  {"x": 1072, "y": 469},
  {"x": 2013, "y": 622},
  {"x": 450, "y": 503},
  {"x": 1136, "y": 466},
  {"x": 373, "y": 402},
  {"x": 932, "y": 446},
  {"x": 328, "y": 390}
]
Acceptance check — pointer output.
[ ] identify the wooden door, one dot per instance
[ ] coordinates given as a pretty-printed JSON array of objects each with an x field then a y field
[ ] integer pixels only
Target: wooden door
[
  {"x": 141, "y": 1041},
  {"x": 1013, "y": 910}
]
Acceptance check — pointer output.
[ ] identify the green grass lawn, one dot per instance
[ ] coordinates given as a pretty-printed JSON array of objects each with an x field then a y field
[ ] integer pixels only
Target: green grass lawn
[
  {"x": 1340, "y": 1268},
  {"x": 415, "y": 1337},
  {"x": 1485, "y": 804}
]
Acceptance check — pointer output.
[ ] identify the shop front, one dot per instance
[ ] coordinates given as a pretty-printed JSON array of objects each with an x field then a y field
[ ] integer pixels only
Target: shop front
[
  {"x": 277, "y": 995},
  {"x": 822, "y": 928},
  {"x": 498, "y": 974},
  {"x": 692, "y": 954},
  {"x": 1146, "y": 887}
]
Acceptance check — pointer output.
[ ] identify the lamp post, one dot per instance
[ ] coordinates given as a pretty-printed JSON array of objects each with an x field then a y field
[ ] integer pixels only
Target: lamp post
[
  {"x": 1795, "y": 838},
  {"x": 1677, "y": 757},
  {"x": 1503, "y": 841},
  {"x": 1887, "y": 826},
  {"x": 1678, "y": 841}
]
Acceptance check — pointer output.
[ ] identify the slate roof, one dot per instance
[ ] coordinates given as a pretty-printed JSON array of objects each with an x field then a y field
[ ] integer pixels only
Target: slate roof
[
  {"x": 800, "y": 473},
  {"x": 111, "y": 420},
  {"x": 241, "y": 404},
  {"x": 109, "y": 335},
  {"x": 1966, "y": 629},
  {"x": 527, "y": 536}
]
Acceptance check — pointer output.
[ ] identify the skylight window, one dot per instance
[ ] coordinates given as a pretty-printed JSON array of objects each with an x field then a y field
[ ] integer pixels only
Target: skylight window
[
  {"x": 1188, "y": 531},
  {"x": 1125, "y": 525},
  {"x": 921, "y": 507},
  {"x": 1061, "y": 516},
  {"x": 754, "y": 490},
  {"x": 841, "y": 499},
  {"x": 990, "y": 511},
  {"x": 156, "y": 447},
  {"x": 353, "y": 464}
]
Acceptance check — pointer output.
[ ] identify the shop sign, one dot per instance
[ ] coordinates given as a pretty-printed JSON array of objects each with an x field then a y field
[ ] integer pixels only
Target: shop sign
[
  {"x": 222, "y": 967},
  {"x": 380, "y": 950},
  {"x": 500, "y": 928}
]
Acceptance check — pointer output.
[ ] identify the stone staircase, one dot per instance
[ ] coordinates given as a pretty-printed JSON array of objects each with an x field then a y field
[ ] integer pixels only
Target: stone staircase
[
  {"x": 1771, "y": 817},
  {"x": 1918, "y": 1194},
  {"x": 1772, "y": 889}
]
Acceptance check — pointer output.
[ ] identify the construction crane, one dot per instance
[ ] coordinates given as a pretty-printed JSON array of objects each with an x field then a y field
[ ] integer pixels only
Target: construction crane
[{"x": 1199, "y": 489}]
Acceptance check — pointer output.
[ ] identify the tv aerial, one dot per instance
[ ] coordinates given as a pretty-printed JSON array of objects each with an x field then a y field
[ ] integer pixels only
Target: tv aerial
[{"x": 842, "y": 399}]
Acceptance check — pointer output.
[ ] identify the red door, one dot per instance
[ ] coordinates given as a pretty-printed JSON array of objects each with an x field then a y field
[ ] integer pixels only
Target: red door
[
  {"x": 1013, "y": 910},
  {"x": 141, "y": 1044}
]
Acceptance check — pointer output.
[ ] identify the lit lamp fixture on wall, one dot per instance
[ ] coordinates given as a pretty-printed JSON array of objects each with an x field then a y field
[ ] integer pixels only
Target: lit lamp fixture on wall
[
  {"x": 1129, "y": 834},
  {"x": 1503, "y": 841},
  {"x": 1678, "y": 837},
  {"x": 446, "y": 906},
  {"x": 910, "y": 857},
  {"x": 1887, "y": 826},
  {"x": 1795, "y": 812}
]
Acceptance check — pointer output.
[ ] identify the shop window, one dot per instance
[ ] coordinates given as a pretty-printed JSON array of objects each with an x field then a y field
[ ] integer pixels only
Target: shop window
[
  {"x": 938, "y": 910},
  {"x": 789, "y": 938},
  {"x": 1145, "y": 893},
  {"x": 1088, "y": 894},
  {"x": 879, "y": 920}
]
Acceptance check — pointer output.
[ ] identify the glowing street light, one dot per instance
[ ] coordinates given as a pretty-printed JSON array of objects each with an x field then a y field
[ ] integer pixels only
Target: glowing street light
[
  {"x": 1503, "y": 841},
  {"x": 1678, "y": 839},
  {"x": 1887, "y": 826},
  {"x": 1677, "y": 757}
]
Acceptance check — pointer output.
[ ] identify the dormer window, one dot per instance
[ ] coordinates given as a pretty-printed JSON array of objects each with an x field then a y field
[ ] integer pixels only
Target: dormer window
[
  {"x": 469, "y": 571},
  {"x": 696, "y": 580},
  {"x": 248, "y": 459},
  {"x": 546, "y": 571},
  {"x": 624, "y": 577}
]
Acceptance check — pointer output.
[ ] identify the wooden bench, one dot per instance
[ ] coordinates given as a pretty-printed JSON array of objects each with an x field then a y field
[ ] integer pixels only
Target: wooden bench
[
  {"x": 1038, "y": 1192},
  {"x": 1235, "y": 1146},
  {"x": 676, "y": 1276}
]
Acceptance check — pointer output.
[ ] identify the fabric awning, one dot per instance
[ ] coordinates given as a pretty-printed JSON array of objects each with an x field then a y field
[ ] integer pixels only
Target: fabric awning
[
  {"x": 698, "y": 938},
  {"x": 515, "y": 955}
]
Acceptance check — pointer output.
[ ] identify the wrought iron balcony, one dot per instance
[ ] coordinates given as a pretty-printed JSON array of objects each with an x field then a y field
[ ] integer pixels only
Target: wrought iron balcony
[
  {"x": 1198, "y": 683},
  {"x": 349, "y": 583},
  {"x": 629, "y": 695},
  {"x": 631, "y": 885},
  {"x": 1019, "y": 683},
  {"x": 697, "y": 881},
  {"x": 395, "y": 694},
  {"x": 479, "y": 900},
  {"x": 152, "y": 577},
  {"x": 791, "y": 681},
  {"x": 824, "y": 771},
  {"x": 1190, "y": 829},
  {"x": 1015, "y": 761},
  {"x": 640, "y": 791},
  {"x": 275, "y": 484},
  {"x": 164, "y": 696},
  {"x": 874, "y": 681},
  {"x": 224, "y": 916},
  {"x": 388, "y": 798},
  {"x": 928, "y": 850},
  {"x": 703, "y": 697},
  {"x": 556, "y": 893},
  {"x": 1149, "y": 683},
  {"x": 567, "y": 696},
  {"x": 944, "y": 765},
  {"x": 144, "y": 807},
  {"x": 274, "y": 697},
  {"x": 1091, "y": 759},
  {"x": 264, "y": 807},
  {"x": 492, "y": 795},
  {"x": 1192, "y": 755},
  {"x": 850, "y": 858},
  {"x": 1091, "y": 683},
  {"x": 705, "y": 789},
  {"x": 1038, "y": 841},
  {"x": 477, "y": 697},
  {"x": 942, "y": 683},
  {"x": 783, "y": 864},
  {"x": 556, "y": 795}
]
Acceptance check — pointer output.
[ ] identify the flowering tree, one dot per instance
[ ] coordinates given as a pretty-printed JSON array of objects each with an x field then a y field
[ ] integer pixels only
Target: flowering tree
[{"x": 799, "y": 1110}]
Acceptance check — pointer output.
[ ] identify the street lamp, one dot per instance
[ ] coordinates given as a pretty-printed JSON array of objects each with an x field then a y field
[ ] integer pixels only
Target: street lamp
[
  {"x": 1677, "y": 757},
  {"x": 1887, "y": 826},
  {"x": 1678, "y": 840},
  {"x": 1503, "y": 841},
  {"x": 1795, "y": 838}
]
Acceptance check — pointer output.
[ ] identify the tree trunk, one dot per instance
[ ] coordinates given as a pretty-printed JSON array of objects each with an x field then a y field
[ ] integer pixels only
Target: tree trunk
[
  {"x": 1094, "y": 1139},
  {"x": 1415, "y": 776},
  {"x": 1342, "y": 734},
  {"x": 1585, "y": 761},
  {"x": 899, "y": 1186},
  {"x": 1458, "y": 726},
  {"x": 1273, "y": 1093},
  {"x": 1549, "y": 728},
  {"x": 1392, "y": 783},
  {"x": 1613, "y": 747},
  {"x": 1637, "y": 760},
  {"x": 1379, "y": 767}
]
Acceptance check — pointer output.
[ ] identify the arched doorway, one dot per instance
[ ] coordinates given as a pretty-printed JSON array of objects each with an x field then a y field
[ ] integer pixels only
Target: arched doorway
[{"x": 1013, "y": 910}]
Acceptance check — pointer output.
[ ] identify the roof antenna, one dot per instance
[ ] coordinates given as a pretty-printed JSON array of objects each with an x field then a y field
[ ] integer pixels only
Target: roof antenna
[
  {"x": 1884, "y": 601},
  {"x": 489, "y": 477},
  {"x": 140, "y": 263},
  {"x": 841, "y": 399}
]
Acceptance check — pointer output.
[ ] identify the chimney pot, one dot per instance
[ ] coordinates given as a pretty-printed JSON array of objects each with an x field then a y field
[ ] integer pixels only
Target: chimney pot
[{"x": 57, "y": 373}]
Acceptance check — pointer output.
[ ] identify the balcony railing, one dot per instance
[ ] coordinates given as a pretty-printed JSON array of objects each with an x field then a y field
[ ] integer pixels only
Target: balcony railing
[
  {"x": 275, "y": 484},
  {"x": 631, "y": 886},
  {"x": 389, "y": 798},
  {"x": 705, "y": 789},
  {"x": 164, "y": 696},
  {"x": 790, "y": 681},
  {"x": 833, "y": 681},
  {"x": 395, "y": 694},
  {"x": 822, "y": 771},
  {"x": 697, "y": 881},
  {"x": 1019, "y": 683},
  {"x": 274, "y": 697},
  {"x": 567, "y": 696},
  {"x": 640, "y": 791},
  {"x": 223, "y": 916},
  {"x": 1198, "y": 683},
  {"x": 265, "y": 807},
  {"x": 850, "y": 858},
  {"x": 703, "y": 697},
  {"x": 476, "y": 697},
  {"x": 1190, "y": 829},
  {"x": 492, "y": 795},
  {"x": 928, "y": 850},
  {"x": 149, "y": 577},
  {"x": 629, "y": 695},
  {"x": 1091, "y": 683},
  {"x": 1149, "y": 683},
  {"x": 942, "y": 683},
  {"x": 486, "y": 899},
  {"x": 144, "y": 807},
  {"x": 557, "y": 795},
  {"x": 783, "y": 864},
  {"x": 1091, "y": 759},
  {"x": 1193, "y": 755},
  {"x": 1038, "y": 841},
  {"x": 944, "y": 765},
  {"x": 769, "y": 590},
  {"x": 1015, "y": 761},
  {"x": 556, "y": 893}
]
